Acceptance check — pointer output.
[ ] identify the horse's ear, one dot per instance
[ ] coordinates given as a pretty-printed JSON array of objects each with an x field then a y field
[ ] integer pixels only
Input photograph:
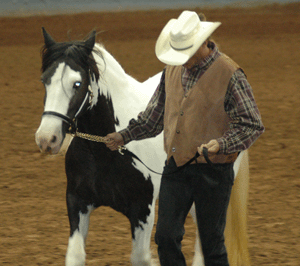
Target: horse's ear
[
  {"x": 47, "y": 38},
  {"x": 90, "y": 42}
]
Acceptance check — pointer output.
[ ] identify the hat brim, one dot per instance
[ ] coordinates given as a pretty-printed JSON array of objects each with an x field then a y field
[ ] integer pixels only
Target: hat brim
[{"x": 166, "y": 54}]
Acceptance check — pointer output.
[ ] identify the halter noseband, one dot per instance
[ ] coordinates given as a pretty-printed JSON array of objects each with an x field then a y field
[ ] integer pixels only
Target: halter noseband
[{"x": 69, "y": 121}]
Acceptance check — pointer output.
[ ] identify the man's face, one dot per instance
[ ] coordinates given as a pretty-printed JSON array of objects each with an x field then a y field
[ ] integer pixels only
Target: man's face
[
  {"x": 202, "y": 52},
  {"x": 191, "y": 62}
]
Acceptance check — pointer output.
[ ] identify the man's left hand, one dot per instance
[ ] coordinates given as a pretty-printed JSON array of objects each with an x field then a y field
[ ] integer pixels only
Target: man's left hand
[{"x": 213, "y": 147}]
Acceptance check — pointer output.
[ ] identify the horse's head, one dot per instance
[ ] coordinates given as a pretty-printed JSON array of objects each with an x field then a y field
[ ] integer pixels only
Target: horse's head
[{"x": 67, "y": 71}]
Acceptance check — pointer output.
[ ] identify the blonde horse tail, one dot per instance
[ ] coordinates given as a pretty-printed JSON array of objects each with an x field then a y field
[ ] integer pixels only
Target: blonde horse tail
[{"x": 236, "y": 239}]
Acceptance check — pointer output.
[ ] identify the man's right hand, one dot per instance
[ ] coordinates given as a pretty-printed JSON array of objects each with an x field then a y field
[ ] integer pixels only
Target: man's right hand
[{"x": 114, "y": 141}]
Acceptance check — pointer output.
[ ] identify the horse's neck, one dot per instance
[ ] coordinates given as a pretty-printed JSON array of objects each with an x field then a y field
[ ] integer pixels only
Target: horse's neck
[
  {"x": 123, "y": 91},
  {"x": 99, "y": 120}
]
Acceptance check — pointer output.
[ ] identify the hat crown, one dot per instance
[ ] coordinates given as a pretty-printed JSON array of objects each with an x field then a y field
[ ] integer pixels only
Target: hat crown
[
  {"x": 183, "y": 30},
  {"x": 181, "y": 38}
]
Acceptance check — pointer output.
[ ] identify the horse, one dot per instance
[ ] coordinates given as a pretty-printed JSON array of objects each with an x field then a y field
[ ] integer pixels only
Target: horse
[{"x": 88, "y": 94}]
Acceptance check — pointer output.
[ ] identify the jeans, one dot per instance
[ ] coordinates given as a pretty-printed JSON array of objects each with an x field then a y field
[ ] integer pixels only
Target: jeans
[{"x": 209, "y": 188}]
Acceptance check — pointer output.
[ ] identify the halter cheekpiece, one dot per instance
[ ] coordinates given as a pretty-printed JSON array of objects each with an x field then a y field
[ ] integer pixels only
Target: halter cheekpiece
[{"x": 71, "y": 122}]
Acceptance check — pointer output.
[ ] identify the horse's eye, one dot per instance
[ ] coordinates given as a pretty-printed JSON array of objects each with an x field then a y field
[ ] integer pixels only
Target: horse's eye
[{"x": 77, "y": 85}]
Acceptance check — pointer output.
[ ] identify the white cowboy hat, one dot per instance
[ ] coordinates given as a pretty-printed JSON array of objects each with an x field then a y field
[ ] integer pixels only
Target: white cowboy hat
[{"x": 182, "y": 37}]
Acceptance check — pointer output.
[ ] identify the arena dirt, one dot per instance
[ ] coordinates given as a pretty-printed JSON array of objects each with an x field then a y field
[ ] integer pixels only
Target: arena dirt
[{"x": 34, "y": 226}]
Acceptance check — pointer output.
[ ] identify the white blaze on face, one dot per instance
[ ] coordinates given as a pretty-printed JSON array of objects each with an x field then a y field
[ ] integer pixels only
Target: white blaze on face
[{"x": 59, "y": 92}]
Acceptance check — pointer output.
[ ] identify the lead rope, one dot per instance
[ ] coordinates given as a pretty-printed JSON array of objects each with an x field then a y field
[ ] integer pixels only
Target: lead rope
[
  {"x": 96, "y": 138},
  {"x": 122, "y": 149}
]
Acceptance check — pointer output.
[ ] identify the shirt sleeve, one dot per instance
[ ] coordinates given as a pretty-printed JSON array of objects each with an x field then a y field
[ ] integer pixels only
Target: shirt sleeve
[
  {"x": 149, "y": 123},
  {"x": 246, "y": 124}
]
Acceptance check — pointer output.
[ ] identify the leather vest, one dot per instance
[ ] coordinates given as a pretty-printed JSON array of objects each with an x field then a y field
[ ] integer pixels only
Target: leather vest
[{"x": 198, "y": 116}]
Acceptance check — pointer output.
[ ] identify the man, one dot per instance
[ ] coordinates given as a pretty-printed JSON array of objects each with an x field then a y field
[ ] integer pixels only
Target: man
[{"x": 203, "y": 100}]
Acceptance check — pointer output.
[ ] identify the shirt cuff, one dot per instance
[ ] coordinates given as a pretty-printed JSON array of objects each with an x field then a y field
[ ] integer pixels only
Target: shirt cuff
[
  {"x": 126, "y": 135},
  {"x": 222, "y": 145}
]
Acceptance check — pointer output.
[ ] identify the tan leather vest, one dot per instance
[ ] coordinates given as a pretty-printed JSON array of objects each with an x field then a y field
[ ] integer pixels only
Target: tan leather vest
[{"x": 198, "y": 116}]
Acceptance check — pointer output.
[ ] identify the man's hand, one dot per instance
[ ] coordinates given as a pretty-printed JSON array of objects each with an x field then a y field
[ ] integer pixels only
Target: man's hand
[
  {"x": 114, "y": 140},
  {"x": 213, "y": 147}
]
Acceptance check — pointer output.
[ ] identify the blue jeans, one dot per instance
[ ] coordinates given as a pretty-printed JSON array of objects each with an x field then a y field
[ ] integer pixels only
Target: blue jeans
[{"x": 210, "y": 189}]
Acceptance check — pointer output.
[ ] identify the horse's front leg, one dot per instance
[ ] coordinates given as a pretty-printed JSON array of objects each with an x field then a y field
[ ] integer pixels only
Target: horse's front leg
[
  {"x": 141, "y": 237},
  {"x": 79, "y": 217}
]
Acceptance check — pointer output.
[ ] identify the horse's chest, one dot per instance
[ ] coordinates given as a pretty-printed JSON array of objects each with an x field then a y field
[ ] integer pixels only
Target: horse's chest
[{"x": 109, "y": 179}]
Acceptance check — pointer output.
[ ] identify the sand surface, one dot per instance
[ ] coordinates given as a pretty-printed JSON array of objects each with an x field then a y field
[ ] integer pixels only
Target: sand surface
[{"x": 34, "y": 226}]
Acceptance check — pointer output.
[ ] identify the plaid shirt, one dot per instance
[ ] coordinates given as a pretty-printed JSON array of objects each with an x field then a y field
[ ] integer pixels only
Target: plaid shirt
[{"x": 245, "y": 127}]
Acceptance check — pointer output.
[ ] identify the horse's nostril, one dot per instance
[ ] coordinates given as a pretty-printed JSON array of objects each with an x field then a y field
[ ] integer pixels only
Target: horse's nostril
[{"x": 54, "y": 138}]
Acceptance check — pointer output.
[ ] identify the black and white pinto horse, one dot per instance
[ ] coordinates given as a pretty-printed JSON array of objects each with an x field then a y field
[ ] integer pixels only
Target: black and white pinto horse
[{"x": 87, "y": 90}]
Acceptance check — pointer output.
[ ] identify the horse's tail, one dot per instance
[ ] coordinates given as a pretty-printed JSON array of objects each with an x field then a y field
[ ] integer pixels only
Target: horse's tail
[{"x": 236, "y": 239}]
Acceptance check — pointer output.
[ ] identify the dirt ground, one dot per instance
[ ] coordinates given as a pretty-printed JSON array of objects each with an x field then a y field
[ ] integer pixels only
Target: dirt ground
[{"x": 34, "y": 226}]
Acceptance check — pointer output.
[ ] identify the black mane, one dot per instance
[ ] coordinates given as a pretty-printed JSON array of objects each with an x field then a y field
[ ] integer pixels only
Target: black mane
[{"x": 76, "y": 51}]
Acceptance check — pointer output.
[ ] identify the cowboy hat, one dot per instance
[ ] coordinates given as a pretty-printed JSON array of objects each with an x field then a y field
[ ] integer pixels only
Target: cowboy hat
[{"x": 181, "y": 38}]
